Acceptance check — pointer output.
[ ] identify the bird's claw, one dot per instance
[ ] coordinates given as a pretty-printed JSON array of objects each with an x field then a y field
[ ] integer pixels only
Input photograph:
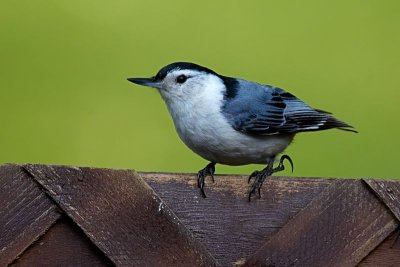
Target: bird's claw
[
  {"x": 260, "y": 176},
  {"x": 282, "y": 159},
  {"x": 200, "y": 183},
  {"x": 253, "y": 175},
  {"x": 202, "y": 174},
  {"x": 212, "y": 177}
]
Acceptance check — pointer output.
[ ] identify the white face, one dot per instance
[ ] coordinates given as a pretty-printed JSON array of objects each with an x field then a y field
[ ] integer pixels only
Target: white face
[{"x": 186, "y": 84}]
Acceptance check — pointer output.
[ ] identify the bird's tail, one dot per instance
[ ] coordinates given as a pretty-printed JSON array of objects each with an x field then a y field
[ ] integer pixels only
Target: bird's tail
[{"x": 332, "y": 122}]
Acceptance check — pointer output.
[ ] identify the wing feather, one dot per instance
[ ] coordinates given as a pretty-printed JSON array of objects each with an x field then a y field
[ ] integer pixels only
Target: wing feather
[{"x": 266, "y": 110}]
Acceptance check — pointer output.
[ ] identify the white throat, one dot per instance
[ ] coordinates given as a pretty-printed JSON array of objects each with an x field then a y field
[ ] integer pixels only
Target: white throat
[{"x": 198, "y": 100}]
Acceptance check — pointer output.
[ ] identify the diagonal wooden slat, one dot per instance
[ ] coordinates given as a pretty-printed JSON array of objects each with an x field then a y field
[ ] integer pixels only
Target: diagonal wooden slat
[
  {"x": 389, "y": 192},
  {"x": 25, "y": 212},
  {"x": 228, "y": 225},
  {"x": 64, "y": 244},
  {"x": 387, "y": 254},
  {"x": 122, "y": 216},
  {"x": 338, "y": 228}
]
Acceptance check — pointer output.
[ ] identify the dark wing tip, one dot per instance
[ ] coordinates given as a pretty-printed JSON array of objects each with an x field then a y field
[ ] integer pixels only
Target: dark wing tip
[
  {"x": 348, "y": 129},
  {"x": 338, "y": 124}
]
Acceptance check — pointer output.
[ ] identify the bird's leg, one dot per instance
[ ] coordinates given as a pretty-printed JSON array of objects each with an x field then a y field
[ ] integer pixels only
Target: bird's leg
[
  {"x": 260, "y": 176},
  {"x": 253, "y": 175},
  {"x": 202, "y": 174}
]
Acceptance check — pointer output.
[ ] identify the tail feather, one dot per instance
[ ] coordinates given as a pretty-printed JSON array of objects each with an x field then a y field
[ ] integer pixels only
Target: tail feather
[{"x": 338, "y": 124}]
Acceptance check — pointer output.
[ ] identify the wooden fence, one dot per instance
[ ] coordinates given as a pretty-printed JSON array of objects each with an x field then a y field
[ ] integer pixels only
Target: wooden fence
[{"x": 72, "y": 216}]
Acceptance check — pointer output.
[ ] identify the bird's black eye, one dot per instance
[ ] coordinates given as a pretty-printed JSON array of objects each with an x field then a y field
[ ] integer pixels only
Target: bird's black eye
[{"x": 181, "y": 78}]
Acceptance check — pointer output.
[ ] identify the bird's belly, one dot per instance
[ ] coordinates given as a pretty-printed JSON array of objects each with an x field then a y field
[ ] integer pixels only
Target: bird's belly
[
  {"x": 214, "y": 139},
  {"x": 243, "y": 151}
]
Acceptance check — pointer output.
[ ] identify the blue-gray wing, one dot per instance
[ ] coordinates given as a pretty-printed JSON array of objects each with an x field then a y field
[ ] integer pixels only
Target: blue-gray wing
[{"x": 265, "y": 110}]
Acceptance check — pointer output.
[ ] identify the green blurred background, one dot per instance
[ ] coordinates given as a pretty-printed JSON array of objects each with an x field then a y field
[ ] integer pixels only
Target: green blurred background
[{"x": 65, "y": 99}]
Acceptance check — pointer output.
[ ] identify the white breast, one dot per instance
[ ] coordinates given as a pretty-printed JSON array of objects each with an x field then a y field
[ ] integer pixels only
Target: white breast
[{"x": 203, "y": 128}]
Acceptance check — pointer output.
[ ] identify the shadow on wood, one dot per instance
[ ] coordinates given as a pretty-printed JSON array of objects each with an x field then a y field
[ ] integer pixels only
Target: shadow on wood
[{"x": 69, "y": 216}]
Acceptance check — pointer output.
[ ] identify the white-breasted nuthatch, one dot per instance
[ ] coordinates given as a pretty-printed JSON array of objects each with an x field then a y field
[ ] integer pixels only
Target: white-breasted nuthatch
[{"x": 233, "y": 121}]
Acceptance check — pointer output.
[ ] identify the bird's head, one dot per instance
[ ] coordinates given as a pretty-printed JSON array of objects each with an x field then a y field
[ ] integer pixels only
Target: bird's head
[{"x": 181, "y": 80}]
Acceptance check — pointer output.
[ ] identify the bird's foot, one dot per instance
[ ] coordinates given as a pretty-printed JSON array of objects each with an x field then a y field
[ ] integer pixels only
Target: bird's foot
[
  {"x": 260, "y": 176},
  {"x": 253, "y": 175},
  {"x": 202, "y": 174}
]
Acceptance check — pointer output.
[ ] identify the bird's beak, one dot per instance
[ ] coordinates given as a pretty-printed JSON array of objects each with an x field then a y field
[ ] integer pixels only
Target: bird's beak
[{"x": 150, "y": 82}]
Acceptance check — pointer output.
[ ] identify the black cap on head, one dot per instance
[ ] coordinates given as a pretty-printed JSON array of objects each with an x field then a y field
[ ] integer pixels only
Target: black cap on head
[{"x": 181, "y": 66}]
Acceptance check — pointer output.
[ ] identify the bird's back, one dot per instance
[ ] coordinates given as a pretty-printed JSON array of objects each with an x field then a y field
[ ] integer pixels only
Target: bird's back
[{"x": 266, "y": 110}]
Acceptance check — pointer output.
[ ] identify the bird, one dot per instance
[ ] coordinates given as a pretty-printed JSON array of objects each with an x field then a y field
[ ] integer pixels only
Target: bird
[{"x": 232, "y": 121}]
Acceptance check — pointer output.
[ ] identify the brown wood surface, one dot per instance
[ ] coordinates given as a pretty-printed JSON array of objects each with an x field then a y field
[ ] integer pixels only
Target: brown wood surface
[
  {"x": 338, "y": 228},
  {"x": 228, "y": 225},
  {"x": 122, "y": 216},
  {"x": 114, "y": 217},
  {"x": 64, "y": 244},
  {"x": 387, "y": 254},
  {"x": 389, "y": 192},
  {"x": 25, "y": 212}
]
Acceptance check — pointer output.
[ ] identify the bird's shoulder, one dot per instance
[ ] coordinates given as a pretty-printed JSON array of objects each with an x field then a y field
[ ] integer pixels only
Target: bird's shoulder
[{"x": 252, "y": 107}]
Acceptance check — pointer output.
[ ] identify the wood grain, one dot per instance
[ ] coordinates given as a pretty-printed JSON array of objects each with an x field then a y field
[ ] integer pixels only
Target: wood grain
[
  {"x": 26, "y": 212},
  {"x": 338, "y": 228},
  {"x": 228, "y": 225},
  {"x": 389, "y": 192},
  {"x": 115, "y": 218},
  {"x": 64, "y": 244},
  {"x": 387, "y": 254},
  {"x": 122, "y": 216}
]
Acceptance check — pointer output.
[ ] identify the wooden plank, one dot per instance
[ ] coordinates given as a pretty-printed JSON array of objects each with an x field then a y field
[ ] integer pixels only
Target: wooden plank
[
  {"x": 122, "y": 216},
  {"x": 228, "y": 225},
  {"x": 386, "y": 254},
  {"x": 63, "y": 245},
  {"x": 389, "y": 192},
  {"x": 25, "y": 212},
  {"x": 338, "y": 228}
]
